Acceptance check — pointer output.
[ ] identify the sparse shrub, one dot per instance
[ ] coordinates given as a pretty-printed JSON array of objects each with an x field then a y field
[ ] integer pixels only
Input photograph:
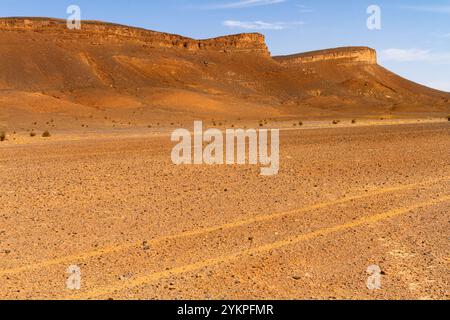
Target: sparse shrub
[
  {"x": 2, "y": 136},
  {"x": 32, "y": 134},
  {"x": 300, "y": 123},
  {"x": 336, "y": 121},
  {"x": 448, "y": 117},
  {"x": 46, "y": 134},
  {"x": 353, "y": 121}
]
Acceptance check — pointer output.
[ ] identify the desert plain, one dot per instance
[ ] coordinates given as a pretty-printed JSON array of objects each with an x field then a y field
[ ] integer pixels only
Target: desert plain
[{"x": 363, "y": 180}]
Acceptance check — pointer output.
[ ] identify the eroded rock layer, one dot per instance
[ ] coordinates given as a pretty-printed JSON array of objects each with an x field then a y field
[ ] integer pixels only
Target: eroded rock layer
[
  {"x": 358, "y": 55},
  {"x": 102, "y": 32}
]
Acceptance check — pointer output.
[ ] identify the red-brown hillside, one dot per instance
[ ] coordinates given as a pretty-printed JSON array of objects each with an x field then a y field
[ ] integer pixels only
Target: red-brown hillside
[{"x": 113, "y": 71}]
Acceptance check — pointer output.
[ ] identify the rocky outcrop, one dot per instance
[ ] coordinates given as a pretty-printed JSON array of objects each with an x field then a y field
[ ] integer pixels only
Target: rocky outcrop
[
  {"x": 345, "y": 55},
  {"x": 102, "y": 32}
]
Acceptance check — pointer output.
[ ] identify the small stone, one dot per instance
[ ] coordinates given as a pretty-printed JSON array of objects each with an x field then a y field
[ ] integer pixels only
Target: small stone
[{"x": 145, "y": 246}]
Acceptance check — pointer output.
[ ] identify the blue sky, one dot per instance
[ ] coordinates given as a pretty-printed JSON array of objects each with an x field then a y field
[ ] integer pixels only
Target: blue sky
[{"x": 414, "y": 39}]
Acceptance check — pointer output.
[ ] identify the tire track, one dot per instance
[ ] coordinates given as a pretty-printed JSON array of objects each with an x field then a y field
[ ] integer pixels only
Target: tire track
[
  {"x": 261, "y": 249},
  {"x": 120, "y": 247}
]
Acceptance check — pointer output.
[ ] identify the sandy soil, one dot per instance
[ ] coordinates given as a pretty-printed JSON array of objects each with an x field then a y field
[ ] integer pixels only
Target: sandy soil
[{"x": 139, "y": 227}]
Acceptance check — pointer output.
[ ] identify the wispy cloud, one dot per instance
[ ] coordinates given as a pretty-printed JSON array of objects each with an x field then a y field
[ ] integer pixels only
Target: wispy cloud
[
  {"x": 404, "y": 55},
  {"x": 241, "y": 4},
  {"x": 440, "y": 85},
  {"x": 410, "y": 55},
  {"x": 260, "y": 25},
  {"x": 429, "y": 8},
  {"x": 442, "y": 35},
  {"x": 304, "y": 9}
]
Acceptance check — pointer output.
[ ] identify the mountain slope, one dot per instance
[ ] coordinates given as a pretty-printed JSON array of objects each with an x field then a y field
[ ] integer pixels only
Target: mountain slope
[{"x": 106, "y": 71}]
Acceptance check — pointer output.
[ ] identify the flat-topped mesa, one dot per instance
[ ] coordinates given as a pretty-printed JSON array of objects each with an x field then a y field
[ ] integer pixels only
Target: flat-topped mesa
[
  {"x": 101, "y": 32},
  {"x": 344, "y": 55},
  {"x": 250, "y": 42}
]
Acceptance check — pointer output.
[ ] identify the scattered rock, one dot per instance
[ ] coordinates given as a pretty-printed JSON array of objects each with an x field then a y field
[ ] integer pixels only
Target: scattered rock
[{"x": 145, "y": 246}]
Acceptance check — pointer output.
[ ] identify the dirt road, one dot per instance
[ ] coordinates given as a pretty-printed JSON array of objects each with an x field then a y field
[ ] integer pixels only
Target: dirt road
[{"x": 140, "y": 227}]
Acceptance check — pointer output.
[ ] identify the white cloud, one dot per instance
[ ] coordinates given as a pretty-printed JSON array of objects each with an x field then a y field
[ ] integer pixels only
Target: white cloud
[
  {"x": 404, "y": 55},
  {"x": 260, "y": 25},
  {"x": 429, "y": 8},
  {"x": 410, "y": 55},
  {"x": 445, "y": 35},
  {"x": 242, "y": 4},
  {"x": 304, "y": 9},
  {"x": 440, "y": 85}
]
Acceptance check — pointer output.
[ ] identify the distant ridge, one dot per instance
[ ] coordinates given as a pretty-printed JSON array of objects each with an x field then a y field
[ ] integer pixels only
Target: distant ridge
[
  {"x": 244, "y": 42},
  {"x": 135, "y": 75},
  {"x": 363, "y": 55}
]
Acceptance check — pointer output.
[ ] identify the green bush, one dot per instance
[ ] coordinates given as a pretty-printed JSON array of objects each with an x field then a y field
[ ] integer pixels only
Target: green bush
[
  {"x": 32, "y": 134},
  {"x": 46, "y": 134},
  {"x": 2, "y": 136}
]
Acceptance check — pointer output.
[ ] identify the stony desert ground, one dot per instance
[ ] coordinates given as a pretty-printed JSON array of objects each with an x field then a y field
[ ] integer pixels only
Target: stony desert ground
[
  {"x": 140, "y": 227},
  {"x": 102, "y": 194}
]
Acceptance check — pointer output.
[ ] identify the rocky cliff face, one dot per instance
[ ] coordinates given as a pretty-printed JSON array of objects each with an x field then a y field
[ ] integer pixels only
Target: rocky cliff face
[
  {"x": 345, "y": 55},
  {"x": 100, "y": 32},
  {"x": 108, "y": 66}
]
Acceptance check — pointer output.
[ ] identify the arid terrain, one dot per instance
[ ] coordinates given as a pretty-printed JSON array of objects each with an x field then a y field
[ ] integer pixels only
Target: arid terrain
[
  {"x": 102, "y": 193},
  {"x": 140, "y": 227}
]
